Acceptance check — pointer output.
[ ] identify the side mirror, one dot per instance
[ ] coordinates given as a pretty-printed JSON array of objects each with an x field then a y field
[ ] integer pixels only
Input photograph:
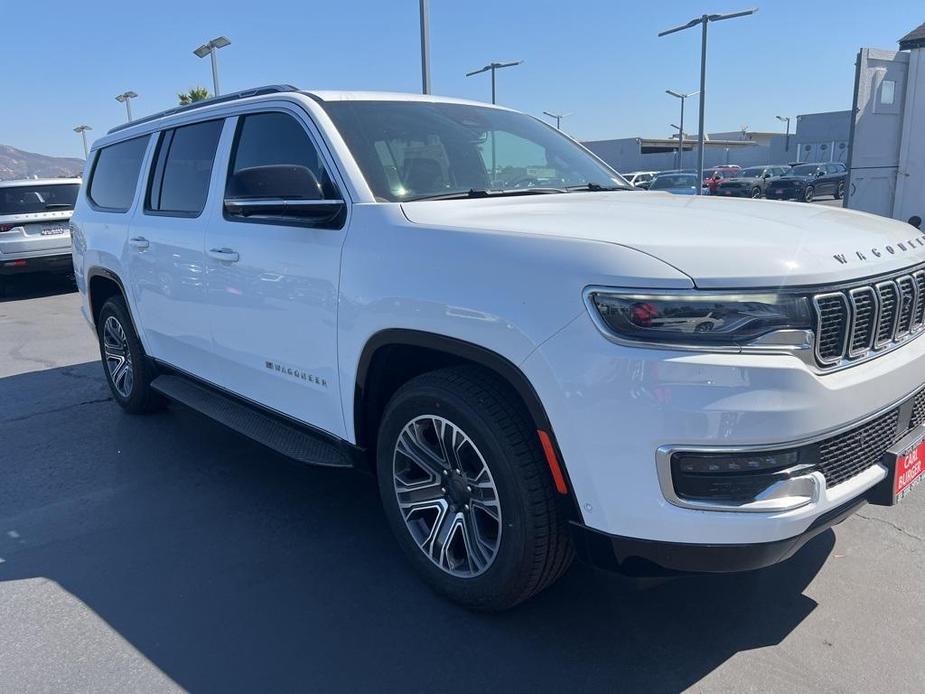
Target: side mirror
[
  {"x": 915, "y": 221},
  {"x": 286, "y": 193},
  {"x": 820, "y": 173},
  {"x": 275, "y": 181}
]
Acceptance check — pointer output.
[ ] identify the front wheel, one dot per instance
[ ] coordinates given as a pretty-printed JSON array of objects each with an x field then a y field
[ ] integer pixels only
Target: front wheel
[
  {"x": 756, "y": 192},
  {"x": 467, "y": 491},
  {"x": 809, "y": 194},
  {"x": 840, "y": 190},
  {"x": 124, "y": 363}
]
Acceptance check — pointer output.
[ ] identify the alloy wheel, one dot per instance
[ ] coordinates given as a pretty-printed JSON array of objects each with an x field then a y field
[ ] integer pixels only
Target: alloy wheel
[
  {"x": 447, "y": 496},
  {"x": 118, "y": 358}
]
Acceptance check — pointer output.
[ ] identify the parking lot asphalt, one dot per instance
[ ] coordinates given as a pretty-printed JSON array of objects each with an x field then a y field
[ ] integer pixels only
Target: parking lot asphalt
[{"x": 164, "y": 553}]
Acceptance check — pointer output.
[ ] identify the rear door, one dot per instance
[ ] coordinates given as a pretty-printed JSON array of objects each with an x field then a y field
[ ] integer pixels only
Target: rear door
[
  {"x": 165, "y": 247},
  {"x": 272, "y": 270}
]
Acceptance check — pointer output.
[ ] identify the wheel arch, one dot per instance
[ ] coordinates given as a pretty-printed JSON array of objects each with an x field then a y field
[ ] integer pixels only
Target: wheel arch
[{"x": 377, "y": 378}]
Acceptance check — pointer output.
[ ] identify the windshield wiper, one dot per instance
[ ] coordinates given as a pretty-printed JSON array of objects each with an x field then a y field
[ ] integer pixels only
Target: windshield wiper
[
  {"x": 480, "y": 193},
  {"x": 594, "y": 188}
]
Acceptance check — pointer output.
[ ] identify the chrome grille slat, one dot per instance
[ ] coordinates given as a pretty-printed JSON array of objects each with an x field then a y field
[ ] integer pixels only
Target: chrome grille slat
[{"x": 856, "y": 322}]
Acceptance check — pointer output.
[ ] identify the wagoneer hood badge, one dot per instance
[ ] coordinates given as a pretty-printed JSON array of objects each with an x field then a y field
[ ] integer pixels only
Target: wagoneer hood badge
[{"x": 717, "y": 242}]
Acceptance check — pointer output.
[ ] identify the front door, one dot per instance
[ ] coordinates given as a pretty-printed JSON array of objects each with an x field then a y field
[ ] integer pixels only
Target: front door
[{"x": 272, "y": 277}]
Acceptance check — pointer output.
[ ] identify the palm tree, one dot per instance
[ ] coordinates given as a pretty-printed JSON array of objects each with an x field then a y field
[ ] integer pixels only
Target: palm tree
[{"x": 193, "y": 95}]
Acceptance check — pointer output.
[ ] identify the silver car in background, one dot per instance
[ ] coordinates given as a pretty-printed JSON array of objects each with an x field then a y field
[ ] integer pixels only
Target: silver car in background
[{"x": 35, "y": 225}]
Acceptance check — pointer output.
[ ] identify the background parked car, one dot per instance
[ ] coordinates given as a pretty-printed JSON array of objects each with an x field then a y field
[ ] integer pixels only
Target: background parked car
[
  {"x": 809, "y": 181},
  {"x": 640, "y": 179},
  {"x": 676, "y": 183},
  {"x": 34, "y": 231},
  {"x": 713, "y": 175},
  {"x": 751, "y": 182}
]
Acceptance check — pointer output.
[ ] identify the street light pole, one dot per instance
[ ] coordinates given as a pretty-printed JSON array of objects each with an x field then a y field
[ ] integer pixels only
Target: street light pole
[
  {"x": 704, "y": 21},
  {"x": 210, "y": 49},
  {"x": 683, "y": 98},
  {"x": 558, "y": 117},
  {"x": 492, "y": 67},
  {"x": 425, "y": 46},
  {"x": 126, "y": 98},
  {"x": 82, "y": 129},
  {"x": 787, "y": 140}
]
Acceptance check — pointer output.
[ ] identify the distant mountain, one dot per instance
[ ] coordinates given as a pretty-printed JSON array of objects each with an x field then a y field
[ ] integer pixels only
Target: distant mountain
[{"x": 14, "y": 163}]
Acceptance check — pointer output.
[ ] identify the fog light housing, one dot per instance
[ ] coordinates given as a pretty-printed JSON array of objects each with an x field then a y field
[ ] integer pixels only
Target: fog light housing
[{"x": 759, "y": 481}]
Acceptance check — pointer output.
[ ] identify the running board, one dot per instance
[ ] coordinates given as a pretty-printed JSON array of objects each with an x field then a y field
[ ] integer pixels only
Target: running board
[{"x": 287, "y": 439}]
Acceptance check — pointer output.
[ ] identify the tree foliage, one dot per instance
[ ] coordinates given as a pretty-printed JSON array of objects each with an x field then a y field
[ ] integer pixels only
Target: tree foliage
[{"x": 193, "y": 95}]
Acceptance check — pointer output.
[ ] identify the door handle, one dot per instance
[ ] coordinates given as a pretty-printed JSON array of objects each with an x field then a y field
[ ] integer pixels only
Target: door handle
[
  {"x": 226, "y": 255},
  {"x": 139, "y": 242}
]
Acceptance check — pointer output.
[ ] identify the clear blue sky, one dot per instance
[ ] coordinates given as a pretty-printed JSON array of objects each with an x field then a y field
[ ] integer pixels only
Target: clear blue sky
[{"x": 601, "y": 59}]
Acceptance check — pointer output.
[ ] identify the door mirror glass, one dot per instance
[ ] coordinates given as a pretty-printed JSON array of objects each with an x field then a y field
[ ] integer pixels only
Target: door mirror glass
[{"x": 286, "y": 181}]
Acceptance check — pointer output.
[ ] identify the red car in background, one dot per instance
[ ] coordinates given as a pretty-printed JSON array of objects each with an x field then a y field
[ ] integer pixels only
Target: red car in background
[{"x": 715, "y": 174}]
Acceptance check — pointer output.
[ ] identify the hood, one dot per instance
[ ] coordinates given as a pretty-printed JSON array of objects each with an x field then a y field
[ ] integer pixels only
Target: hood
[
  {"x": 791, "y": 177},
  {"x": 717, "y": 242}
]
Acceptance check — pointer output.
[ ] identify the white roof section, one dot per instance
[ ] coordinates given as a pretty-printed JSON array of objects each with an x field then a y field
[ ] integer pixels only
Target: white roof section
[{"x": 327, "y": 95}]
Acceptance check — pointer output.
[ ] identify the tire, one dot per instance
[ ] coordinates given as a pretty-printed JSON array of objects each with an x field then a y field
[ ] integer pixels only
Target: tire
[
  {"x": 839, "y": 190},
  {"x": 522, "y": 551},
  {"x": 131, "y": 386},
  {"x": 809, "y": 194},
  {"x": 756, "y": 193}
]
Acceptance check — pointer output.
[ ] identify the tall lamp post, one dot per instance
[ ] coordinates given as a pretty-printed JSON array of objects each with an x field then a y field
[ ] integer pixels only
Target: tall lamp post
[
  {"x": 425, "y": 46},
  {"x": 82, "y": 129},
  {"x": 704, "y": 21},
  {"x": 492, "y": 67},
  {"x": 126, "y": 98},
  {"x": 682, "y": 98},
  {"x": 558, "y": 118},
  {"x": 210, "y": 49},
  {"x": 787, "y": 140}
]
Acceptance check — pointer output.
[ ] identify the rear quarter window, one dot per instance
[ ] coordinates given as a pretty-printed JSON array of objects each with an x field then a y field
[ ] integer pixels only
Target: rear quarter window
[{"x": 115, "y": 174}]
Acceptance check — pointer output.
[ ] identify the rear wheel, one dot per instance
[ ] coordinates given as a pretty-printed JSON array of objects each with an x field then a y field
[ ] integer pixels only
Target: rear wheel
[
  {"x": 809, "y": 194},
  {"x": 840, "y": 190},
  {"x": 127, "y": 371},
  {"x": 467, "y": 491}
]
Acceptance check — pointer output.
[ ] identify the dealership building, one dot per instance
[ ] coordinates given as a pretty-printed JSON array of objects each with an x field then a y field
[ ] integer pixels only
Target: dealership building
[{"x": 816, "y": 137}]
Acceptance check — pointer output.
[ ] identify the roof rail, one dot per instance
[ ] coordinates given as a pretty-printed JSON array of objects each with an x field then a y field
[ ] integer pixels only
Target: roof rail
[{"x": 243, "y": 94}]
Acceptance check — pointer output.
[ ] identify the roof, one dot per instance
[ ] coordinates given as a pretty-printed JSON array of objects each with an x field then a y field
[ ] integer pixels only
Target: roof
[
  {"x": 37, "y": 182},
  {"x": 273, "y": 90},
  {"x": 914, "y": 39}
]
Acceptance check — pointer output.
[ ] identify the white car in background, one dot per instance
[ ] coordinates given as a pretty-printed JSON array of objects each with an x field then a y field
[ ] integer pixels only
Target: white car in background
[
  {"x": 656, "y": 382},
  {"x": 640, "y": 179},
  {"x": 34, "y": 231}
]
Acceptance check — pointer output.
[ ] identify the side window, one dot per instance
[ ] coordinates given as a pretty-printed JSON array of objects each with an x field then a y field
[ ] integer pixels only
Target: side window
[
  {"x": 183, "y": 168},
  {"x": 274, "y": 158},
  {"x": 115, "y": 174}
]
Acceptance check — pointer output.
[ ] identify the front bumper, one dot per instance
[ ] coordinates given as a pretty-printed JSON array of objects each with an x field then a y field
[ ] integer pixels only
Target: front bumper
[
  {"x": 614, "y": 407},
  {"x": 788, "y": 193},
  {"x": 636, "y": 557}
]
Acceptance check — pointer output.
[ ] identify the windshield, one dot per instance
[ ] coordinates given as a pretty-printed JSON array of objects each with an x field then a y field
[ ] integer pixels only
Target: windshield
[
  {"x": 750, "y": 173},
  {"x": 805, "y": 170},
  {"x": 409, "y": 150},
  {"x": 38, "y": 198},
  {"x": 674, "y": 181}
]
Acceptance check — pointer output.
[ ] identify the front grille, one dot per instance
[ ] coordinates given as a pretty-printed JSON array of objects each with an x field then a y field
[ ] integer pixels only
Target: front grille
[
  {"x": 918, "y": 410},
  {"x": 846, "y": 455},
  {"x": 855, "y": 321}
]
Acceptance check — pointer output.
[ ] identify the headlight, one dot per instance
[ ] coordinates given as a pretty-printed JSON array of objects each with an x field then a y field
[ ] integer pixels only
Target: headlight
[{"x": 701, "y": 318}]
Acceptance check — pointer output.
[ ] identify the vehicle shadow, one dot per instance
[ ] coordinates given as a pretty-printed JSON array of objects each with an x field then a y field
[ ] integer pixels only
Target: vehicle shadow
[
  {"x": 232, "y": 569},
  {"x": 31, "y": 286}
]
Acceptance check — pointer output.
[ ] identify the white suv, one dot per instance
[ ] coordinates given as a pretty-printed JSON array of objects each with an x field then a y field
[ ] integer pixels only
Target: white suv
[
  {"x": 470, "y": 304},
  {"x": 34, "y": 231}
]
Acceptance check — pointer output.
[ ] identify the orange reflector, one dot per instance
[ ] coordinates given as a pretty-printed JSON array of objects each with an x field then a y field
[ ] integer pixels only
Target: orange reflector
[{"x": 553, "y": 462}]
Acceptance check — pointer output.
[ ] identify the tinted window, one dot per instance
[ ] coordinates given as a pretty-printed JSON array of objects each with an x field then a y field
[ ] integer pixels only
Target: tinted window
[
  {"x": 275, "y": 158},
  {"x": 31, "y": 199},
  {"x": 115, "y": 174},
  {"x": 180, "y": 181}
]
